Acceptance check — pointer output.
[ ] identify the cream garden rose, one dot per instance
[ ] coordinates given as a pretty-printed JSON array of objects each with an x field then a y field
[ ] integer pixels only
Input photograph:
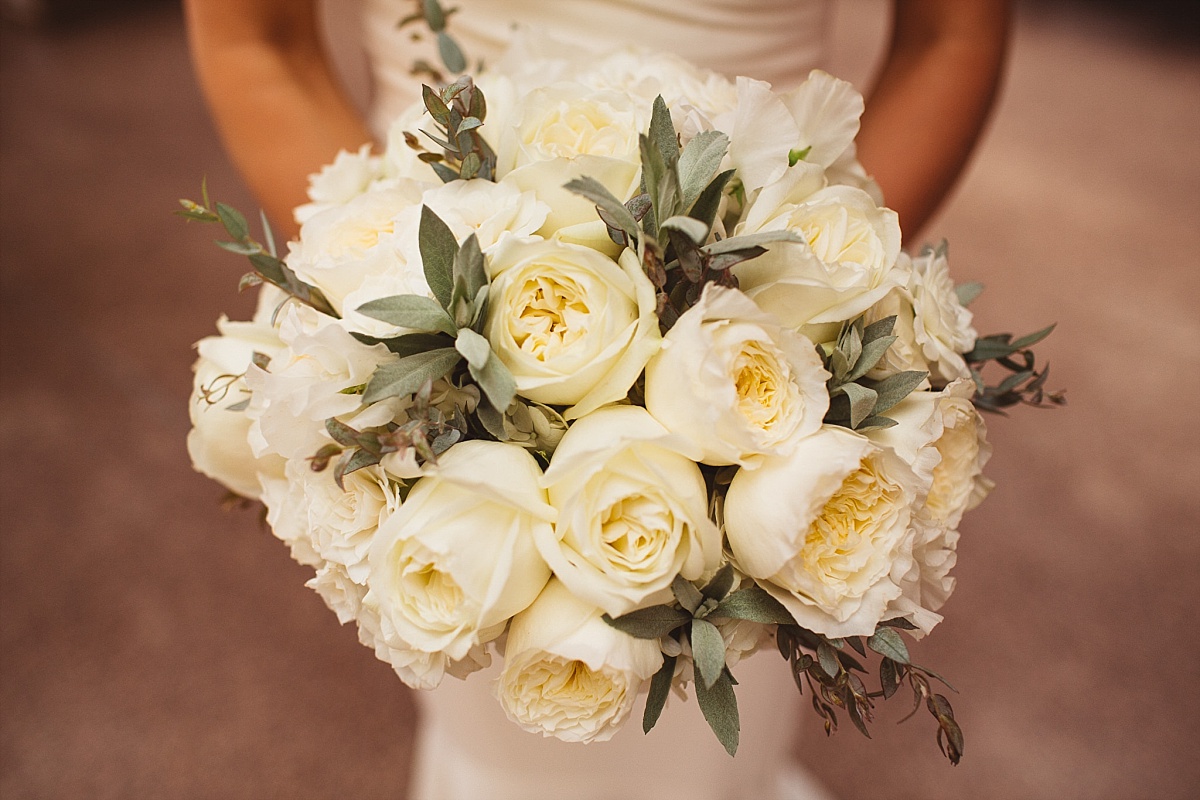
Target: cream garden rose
[
  {"x": 827, "y": 529},
  {"x": 846, "y": 266},
  {"x": 458, "y": 559},
  {"x": 573, "y": 326},
  {"x": 763, "y": 386},
  {"x": 567, "y": 673},
  {"x": 632, "y": 512}
]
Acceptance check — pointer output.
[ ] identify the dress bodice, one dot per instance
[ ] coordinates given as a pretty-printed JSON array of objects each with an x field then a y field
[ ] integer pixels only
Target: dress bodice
[{"x": 773, "y": 40}]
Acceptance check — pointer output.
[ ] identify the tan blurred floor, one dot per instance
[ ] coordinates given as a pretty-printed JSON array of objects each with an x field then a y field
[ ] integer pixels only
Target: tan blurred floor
[{"x": 152, "y": 645}]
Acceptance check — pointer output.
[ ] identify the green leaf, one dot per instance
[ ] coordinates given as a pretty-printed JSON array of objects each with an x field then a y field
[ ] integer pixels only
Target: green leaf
[
  {"x": 827, "y": 658},
  {"x": 409, "y": 343},
  {"x": 694, "y": 229},
  {"x": 445, "y": 173},
  {"x": 1034, "y": 338},
  {"x": 342, "y": 433},
  {"x": 662, "y": 132},
  {"x": 887, "y": 642},
  {"x": 752, "y": 240},
  {"x": 241, "y": 248},
  {"x": 862, "y": 401},
  {"x": 661, "y": 180},
  {"x": 469, "y": 270},
  {"x": 871, "y": 354},
  {"x": 410, "y": 311},
  {"x": 493, "y": 377},
  {"x": 357, "y": 460},
  {"x": 438, "y": 250},
  {"x": 616, "y": 212},
  {"x": 451, "y": 53},
  {"x": 967, "y": 292},
  {"x": 889, "y": 677},
  {"x": 707, "y": 205},
  {"x": 699, "y": 162},
  {"x": 719, "y": 706},
  {"x": 895, "y": 388},
  {"x": 755, "y": 604},
  {"x": 409, "y": 374},
  {"x": 708, "y": 652},
  {"x": 656, "y": 698},
  {"x": 474, "y": 348},
  {"x": 233, "y": 221},
  {"x": 649, "y": 623},
  {"x": 878, "y": 329},
  {"x": 720, "y": 584},
  {"x": 688, "y": 595},
  {"x": 434, "y": 15}
]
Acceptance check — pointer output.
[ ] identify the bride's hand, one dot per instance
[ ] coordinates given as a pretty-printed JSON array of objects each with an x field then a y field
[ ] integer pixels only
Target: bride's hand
[
  {"x": 280, "y": 110},
  {"x": 933, "y": 96}
]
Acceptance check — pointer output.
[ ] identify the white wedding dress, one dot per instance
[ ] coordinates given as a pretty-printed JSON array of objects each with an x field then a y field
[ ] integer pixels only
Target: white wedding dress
[{"x": 466, "y": 747}]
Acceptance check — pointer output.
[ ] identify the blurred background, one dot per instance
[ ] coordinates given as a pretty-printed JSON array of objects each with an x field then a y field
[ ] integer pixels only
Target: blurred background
[{"x": 153, "y": 644}]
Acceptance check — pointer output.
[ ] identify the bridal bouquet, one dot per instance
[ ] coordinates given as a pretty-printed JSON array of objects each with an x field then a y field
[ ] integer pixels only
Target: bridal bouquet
[{"x": 619, "y": 377}]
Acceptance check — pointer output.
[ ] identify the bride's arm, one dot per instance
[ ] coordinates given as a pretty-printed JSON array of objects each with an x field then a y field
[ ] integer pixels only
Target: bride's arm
[
  {"x": 270, "y": 87},
  {"x": 937, "y": 85}
]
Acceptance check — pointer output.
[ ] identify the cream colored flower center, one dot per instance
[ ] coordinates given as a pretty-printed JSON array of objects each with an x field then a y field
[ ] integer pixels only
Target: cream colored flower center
[
  {"x": 635, "y": 531},
  {"x": 429, "y": 596},
  {"x": 841, "y": 540},
  {"x": 763, "y": 387},
  {"x": 836, "y": 234},
  {"x": 553, "y": 692},
  {"x": 548, "y": 315}
]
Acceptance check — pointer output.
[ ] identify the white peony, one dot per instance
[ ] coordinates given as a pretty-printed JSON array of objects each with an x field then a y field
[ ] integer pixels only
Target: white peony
[
  {"x": 567, "y": 673},
  {"x": 632, "y": 512},
  {"x": 827, "y": 530},
  {"x": 458, "y": 559},
  {"x": 763, "y": 386},
  {"x": 573, "y": 326},
  {"x": 845, "y": 268}
]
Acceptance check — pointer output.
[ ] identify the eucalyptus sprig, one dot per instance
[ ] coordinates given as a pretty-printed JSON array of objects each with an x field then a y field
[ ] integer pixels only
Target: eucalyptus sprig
[
  {"x": 690, "y": 618},
  {"x": 449, "y": 325},
  {"x": 830, "y": 672},
  {"x": 1025, "y": 382},
  {"x": 268, "y": 267},
  {"x": 435, "y": 16},
  {"x": 669, "y": 223},
  {"x": 428, "y": 432},
  {"x": 856, "y": 401},
  {"x": 458, "y": 112}
]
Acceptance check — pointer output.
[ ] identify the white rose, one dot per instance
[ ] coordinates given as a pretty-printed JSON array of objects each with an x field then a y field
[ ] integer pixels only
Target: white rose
[
  {"x": 343, "y": 245},
  {"x": 632, "y": 512},
  {"x": 941, "y": 324},
  {"x": 573, "y": 326},
  {"x": 568, "y": 131},
  {"x": 338, "y": 183},
  {"x": 458, "y": 559},
  {"x": 845, "y": 268},
  {"x": 826, "y": 530},
  {"x": 218, "y": 442},
  {"x": 305, "y": 384},
  {"x": 567, "y": 673},
  {"x": 763, "y": 386}
]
